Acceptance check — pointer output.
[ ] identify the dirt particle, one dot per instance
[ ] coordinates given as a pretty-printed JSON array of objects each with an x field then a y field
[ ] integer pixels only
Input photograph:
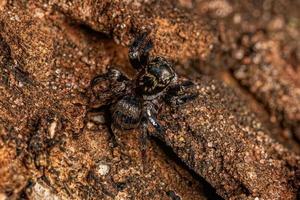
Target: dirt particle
[
  {"x": 237, "y": 18},
  {"x": 90, "y": 125},
  {"x": 52, "y": 128},
  {"x": 2, "y": 4},
  {"x": 103, "y": 169},
  {"x": 220, "y": 8},
  {"x": 181, "y": 139},
  {"x": 98, "y": 119},
  {"x": 210, "y": 144},
  {"x": 2, "y": 196},
  {"x": 41, "y": 192}
]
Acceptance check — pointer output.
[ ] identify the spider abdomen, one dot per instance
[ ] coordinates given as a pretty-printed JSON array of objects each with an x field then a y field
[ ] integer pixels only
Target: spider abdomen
[{"x": 126, "y": 113}]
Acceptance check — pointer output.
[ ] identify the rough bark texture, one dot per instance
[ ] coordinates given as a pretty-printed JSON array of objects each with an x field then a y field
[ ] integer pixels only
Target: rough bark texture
[
  {"x": 238, "y": 141},
  {"x": 221, "y": 140}
]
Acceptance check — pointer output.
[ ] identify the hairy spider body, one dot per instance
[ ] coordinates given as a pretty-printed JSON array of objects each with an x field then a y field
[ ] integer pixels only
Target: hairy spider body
[
  {"x": 135, "y": 103},
  {"x": 126, "y": 112}
]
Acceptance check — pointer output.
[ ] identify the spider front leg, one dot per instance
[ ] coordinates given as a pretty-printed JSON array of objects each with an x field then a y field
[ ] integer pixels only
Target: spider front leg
[
  {"x": 112, "y": 74},
  {"x": 179, "y": 94},
  {"x": 139, "y": 51},
  {"x": 107, "y": 87}
]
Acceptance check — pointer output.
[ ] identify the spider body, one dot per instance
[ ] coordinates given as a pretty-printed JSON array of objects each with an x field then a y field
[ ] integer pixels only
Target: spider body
[
  {"x": 126, "y": 112},
  {"x": 135, "y": 103}
]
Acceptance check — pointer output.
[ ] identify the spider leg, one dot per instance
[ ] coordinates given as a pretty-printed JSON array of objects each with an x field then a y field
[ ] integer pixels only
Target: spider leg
[
  {"x": 112, "y": 137},
  {"x": 143, "y": 140},
  {"x": 179, "y": 94},
  {"x": 139, "y": 51},
  {"x": 112, "y": 74},
  {"x": 151, "y": 112},
  {"x": 107, "y": 86},
  {"x": 116, "y": 75},
  {"x": 148, "y": 117}
]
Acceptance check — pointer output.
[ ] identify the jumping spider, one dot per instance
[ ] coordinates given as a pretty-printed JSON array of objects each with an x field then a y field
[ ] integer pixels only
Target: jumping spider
[{"x": 135, "y": 103}]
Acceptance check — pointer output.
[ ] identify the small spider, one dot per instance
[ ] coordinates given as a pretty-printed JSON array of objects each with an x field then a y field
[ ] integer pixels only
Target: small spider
[{"x": 135, "y": 103}]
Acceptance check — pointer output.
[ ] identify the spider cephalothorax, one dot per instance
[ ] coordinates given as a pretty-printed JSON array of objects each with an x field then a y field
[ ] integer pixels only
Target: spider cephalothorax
[
  {"x": 135, "y": 103},
  {"x": 156, "y": 77}
]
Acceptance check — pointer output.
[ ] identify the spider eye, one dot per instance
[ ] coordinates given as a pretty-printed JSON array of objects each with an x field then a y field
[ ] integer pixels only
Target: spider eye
[{"x": 157, "y": 76}]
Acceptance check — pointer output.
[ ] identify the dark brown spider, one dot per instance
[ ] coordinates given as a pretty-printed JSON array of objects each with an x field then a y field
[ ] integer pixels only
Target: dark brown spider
[{"x": 135, "y": 103}]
